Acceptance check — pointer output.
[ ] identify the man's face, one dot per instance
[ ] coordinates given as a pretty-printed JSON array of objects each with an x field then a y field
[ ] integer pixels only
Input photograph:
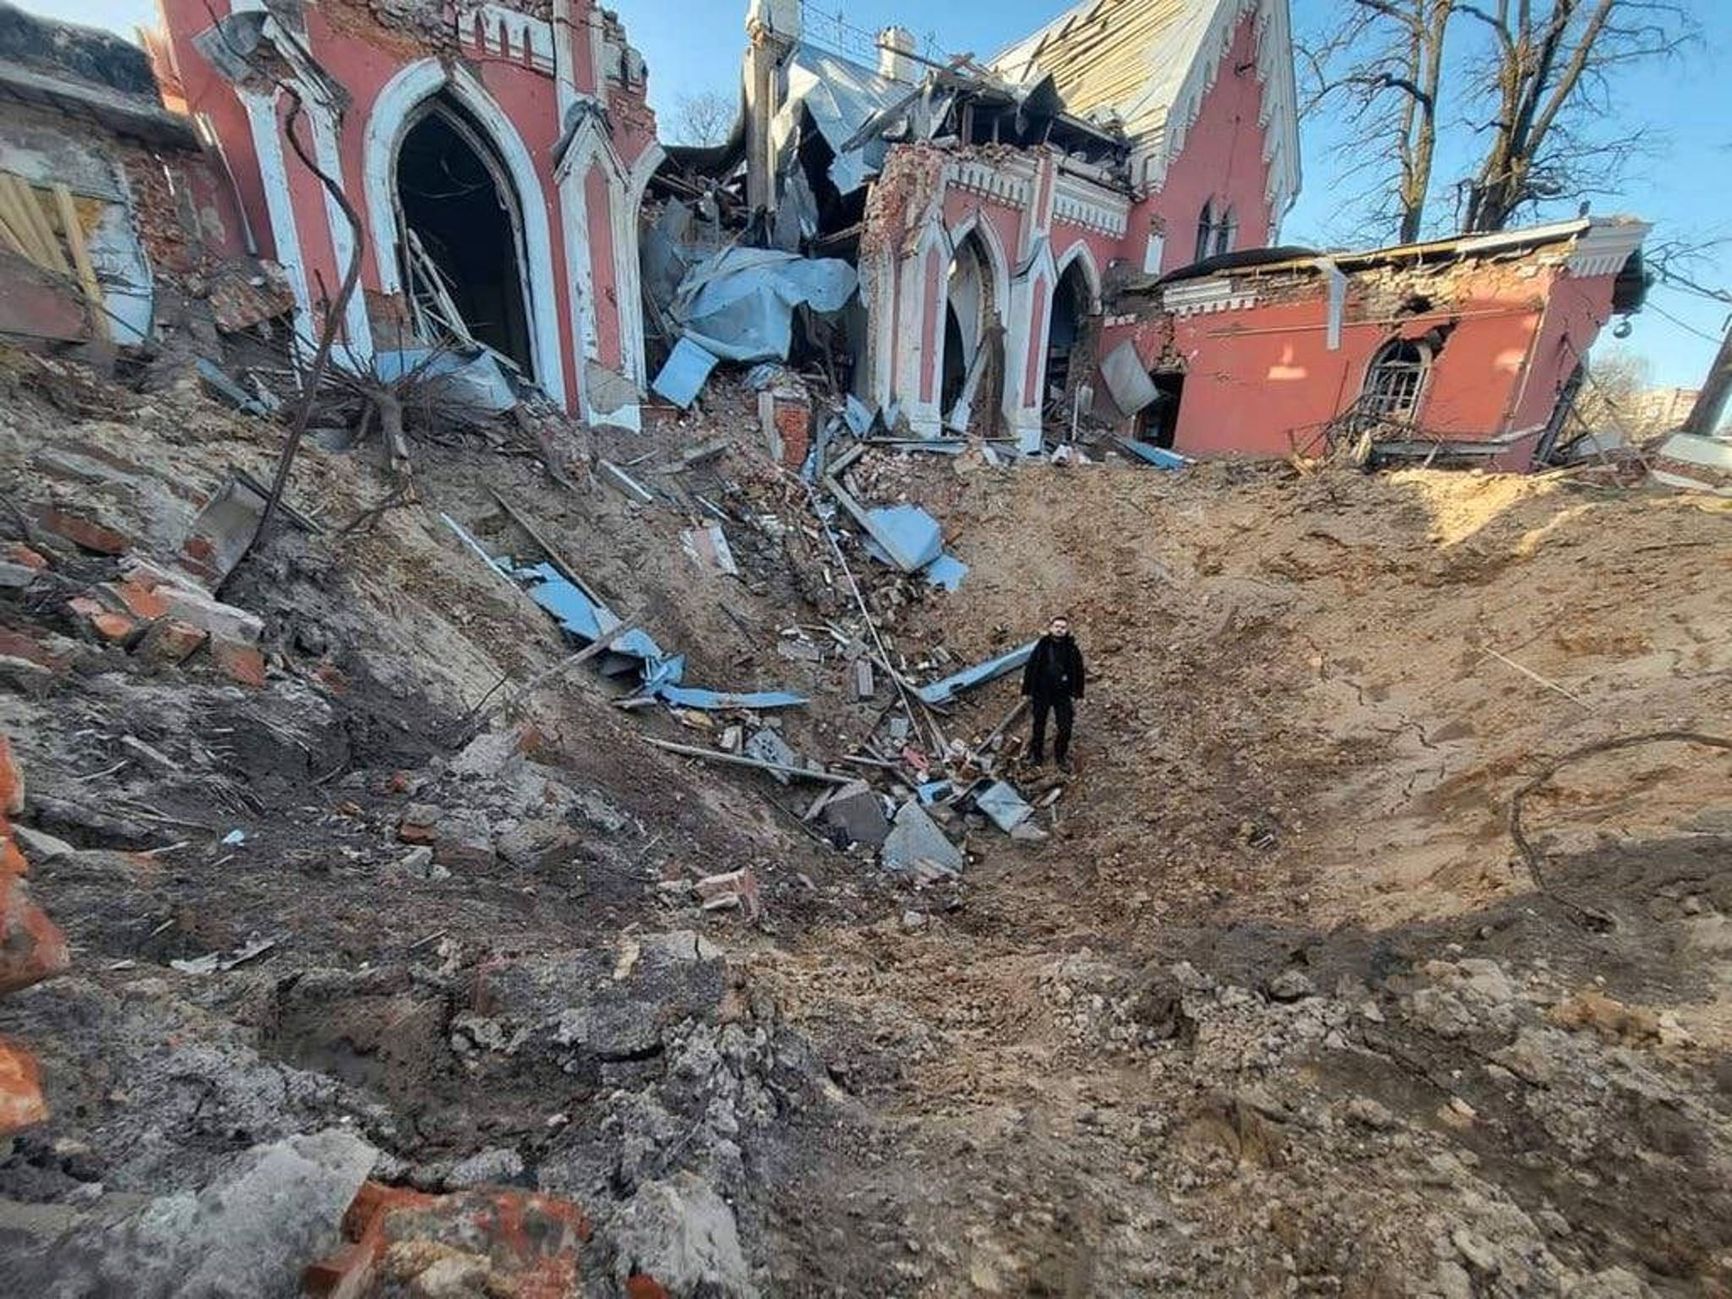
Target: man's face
[{"x": 1059, "y": 627}]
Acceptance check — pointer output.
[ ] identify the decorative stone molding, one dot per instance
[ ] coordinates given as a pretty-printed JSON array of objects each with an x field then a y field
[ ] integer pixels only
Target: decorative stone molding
[
  {"x": 1197, "y": 297},
  {"x": 1080, "y": 202},
  {"x": 1010, "y": 181},
  {"x": 392, "y": 113},
  {"x": 508, "y": 33},
  {"x": 1605, "y": 247}
]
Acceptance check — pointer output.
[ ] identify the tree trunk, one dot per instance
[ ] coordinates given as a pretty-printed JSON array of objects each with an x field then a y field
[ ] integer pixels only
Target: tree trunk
[{"x": 1716, "y": 388}]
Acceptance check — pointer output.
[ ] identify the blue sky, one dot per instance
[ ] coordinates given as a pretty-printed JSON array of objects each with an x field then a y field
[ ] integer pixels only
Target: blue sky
[{"x": 1684, "y": 185}]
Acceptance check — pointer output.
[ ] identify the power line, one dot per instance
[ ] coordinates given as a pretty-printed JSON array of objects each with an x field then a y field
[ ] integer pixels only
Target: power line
[{"x": 1683, "y": 325}]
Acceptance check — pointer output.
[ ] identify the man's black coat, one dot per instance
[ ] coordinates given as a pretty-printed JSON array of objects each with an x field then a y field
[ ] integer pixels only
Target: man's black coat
[{"x": 1054, "y": 671}]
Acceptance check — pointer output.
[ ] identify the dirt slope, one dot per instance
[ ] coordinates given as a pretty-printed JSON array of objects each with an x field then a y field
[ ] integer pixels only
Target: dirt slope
[{"x": 1279, "y": 1007}]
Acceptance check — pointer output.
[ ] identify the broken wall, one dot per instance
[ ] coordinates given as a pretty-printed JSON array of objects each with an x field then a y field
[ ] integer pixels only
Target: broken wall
[
  {"x": 1262, "y": 380},
  {"x": 556, "y": 94}
]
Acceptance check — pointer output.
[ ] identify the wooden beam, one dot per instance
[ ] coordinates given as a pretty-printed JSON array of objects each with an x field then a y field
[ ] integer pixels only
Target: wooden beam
[
  {"x": 74, "y": 233},
  {"x": 738, "y": 760}
]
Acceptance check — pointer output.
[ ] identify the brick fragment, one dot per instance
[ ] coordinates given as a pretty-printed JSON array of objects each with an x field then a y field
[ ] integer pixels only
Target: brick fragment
[
  {"x": 138, "y": 599},
  {"x": 11, "y": 780},
  {"x": 16, "y": 552},
  {"x": 18, "y": 645},
  {"x": 171, "y": 641},
  {"x": 21, "y": 1103},
  {"x": 32, "y": 948},
  {"x": 12, "y": 859},
  {"x": 241, "y": 662},
  {"x": 115, "y": 628},
  {"x": 84, "y": 533}
]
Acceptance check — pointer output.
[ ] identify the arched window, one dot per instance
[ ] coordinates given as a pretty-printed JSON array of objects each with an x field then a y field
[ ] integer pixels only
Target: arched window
[
  {"x": 1395, "y": 382},
  {"x": 1226, "y": 232},
  {"x": 1217, "y": 230},
  {"x": 1206, "y": 231}
]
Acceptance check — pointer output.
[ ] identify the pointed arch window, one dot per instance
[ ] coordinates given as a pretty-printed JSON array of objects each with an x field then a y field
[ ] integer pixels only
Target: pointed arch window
[{"x": 1217, "y": 229}]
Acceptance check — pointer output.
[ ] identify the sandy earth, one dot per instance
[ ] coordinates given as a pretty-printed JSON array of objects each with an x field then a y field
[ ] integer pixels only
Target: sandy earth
[{"x": 1279, "y": 1007}]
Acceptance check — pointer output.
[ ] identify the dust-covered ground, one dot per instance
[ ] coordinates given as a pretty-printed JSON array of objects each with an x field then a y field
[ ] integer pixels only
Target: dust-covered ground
[{"x": 1280, "y": 1007}]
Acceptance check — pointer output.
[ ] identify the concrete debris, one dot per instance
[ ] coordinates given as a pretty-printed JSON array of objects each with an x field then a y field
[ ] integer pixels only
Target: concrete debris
[
  {"x": 211, "y": 962},
  {"x": 709, "y": 547},
  {"x": 734, "y": 889},
  {"x": 915, "y": 838},
  {"x": 1007, "y": 809},
  {"x": 857, "y": 812},
  {"x": 683, "y": 1235}
]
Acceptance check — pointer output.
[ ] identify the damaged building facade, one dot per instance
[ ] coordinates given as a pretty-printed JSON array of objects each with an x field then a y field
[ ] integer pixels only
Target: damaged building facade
[
  {"x": 495, "y": 157},
  {"x": 1084, "y": 228},
  {"x": 1470, "y": 349},
  {"x": 986, "y": 205}
]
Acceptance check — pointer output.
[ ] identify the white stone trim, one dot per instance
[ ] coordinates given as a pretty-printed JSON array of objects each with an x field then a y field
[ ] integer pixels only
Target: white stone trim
[
  {"x": 1081, "y": 202},
  {"x": 279, "y": 203},
  {"x": 1079, "y": 252},
  {"x": 631, "y": 310},
  {"x": 1010, "y": 181},
  {"x": 357, "y": 328},
  {"x": 1605, "y": 247},
  {"x": 386, "y": 126},
  {"x": 508, "y": 33},
  {"x": 1196, "y": 297},
  {"x": 1279, "y": 120}
]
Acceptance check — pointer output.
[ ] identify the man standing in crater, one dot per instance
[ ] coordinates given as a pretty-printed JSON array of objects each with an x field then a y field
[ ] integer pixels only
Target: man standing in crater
[{"x": 1053, "y": 682}]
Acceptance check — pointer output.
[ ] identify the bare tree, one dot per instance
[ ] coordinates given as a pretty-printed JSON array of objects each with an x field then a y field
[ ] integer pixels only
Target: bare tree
[
  {"x": 1386, "y": 63},
  {"x": 1550, "y": 81},
  {"x": 704, "y": 118},
  {"x": 1527, "y": 87}
]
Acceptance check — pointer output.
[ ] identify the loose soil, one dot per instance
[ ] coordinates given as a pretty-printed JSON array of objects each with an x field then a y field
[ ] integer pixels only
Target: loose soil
[{"x": 1279, "y": 1007}]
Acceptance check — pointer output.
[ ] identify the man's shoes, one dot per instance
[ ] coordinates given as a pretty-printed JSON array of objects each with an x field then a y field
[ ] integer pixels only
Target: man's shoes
[
  {"x": 1036, "y": 762},
  {"x": 1064, "y": 765}
]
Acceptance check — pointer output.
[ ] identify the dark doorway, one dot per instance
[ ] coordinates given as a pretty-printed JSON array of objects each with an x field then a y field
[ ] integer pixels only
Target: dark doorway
[
  {"x": 1070, "y": 306},
  {"x": 1158, "y": 422},
  {"x": 459, "y": 210},
  {"x": 955, "y": 362}
]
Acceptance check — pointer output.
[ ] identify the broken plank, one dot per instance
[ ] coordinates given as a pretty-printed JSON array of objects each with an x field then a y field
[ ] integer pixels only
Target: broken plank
[
  {"x": 627, "y": 484},
  {"x": 737, "y": 760},
  {"x": 74, "y": 233}
]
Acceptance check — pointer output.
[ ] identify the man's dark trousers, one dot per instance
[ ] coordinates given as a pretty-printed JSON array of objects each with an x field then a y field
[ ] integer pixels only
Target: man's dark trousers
[{"x": 1063, "y": 710}]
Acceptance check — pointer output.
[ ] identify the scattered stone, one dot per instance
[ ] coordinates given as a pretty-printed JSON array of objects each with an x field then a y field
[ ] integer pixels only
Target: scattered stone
[
  {"x": 17, "y": 552},
  {"x": 41, "y": 847},
  {"x": 681, "y": 1234},
  {"x": 733, "y": 889},
  {"x": 460, "y": 1246},
  {"x": 419, "y": 823},
  {"x": 916, "y": 838},
  {"x": 419, "y": 863},
  {"x": 1610, "y": 1018},
  {"x": 1291, "y": 985},
  {"x": 110, "y": 627},
  {"x": 171, "y": 641},
  {"x": 494, "y": 1167},
  {"x": 858, "y": 812},
  {"x": 15, "y": 577},
  {"x": 1367, "y": 1113},
  {"x": 464, "y": 841},
  {"x": 83, "y": 533}
]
